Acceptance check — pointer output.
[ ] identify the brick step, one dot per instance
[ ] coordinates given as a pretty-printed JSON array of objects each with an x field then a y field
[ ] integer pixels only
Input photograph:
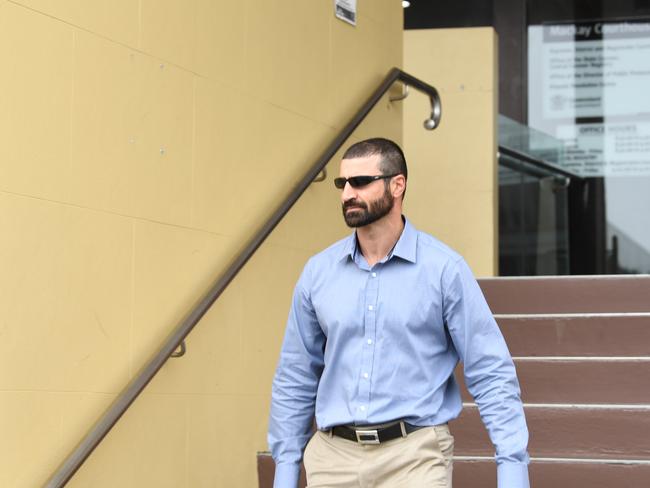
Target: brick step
[
  {"x": 580, "y": 381},
  {"x": 587, "y": 335},
  {"x": 557, "y": 474},
  {"x": 570, "y": 294},
  {"x": 566, "y": 432}
]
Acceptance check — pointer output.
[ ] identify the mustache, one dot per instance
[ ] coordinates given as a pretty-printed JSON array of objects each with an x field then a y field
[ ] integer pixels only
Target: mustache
[{"x": 354, "y": 203}]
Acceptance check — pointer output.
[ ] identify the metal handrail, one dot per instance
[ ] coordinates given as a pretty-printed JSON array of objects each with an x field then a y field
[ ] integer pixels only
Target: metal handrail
[
  {"x": 539, "y": 163},
  {"x": 106, "y": 422}
]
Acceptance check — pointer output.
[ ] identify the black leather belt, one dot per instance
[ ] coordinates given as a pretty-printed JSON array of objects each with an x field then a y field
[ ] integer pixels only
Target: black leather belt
[{"x": 374, "y": 434}]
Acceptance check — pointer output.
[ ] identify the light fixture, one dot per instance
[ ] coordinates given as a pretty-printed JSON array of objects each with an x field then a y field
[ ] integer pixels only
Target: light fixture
[{"x": 406, "y": 3}]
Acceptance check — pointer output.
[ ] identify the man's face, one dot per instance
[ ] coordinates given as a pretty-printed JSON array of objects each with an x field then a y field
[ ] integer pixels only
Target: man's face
[{"x": 364, "y": 205}]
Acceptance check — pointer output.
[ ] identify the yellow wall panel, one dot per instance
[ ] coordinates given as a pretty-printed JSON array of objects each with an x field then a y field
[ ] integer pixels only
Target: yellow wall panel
[
  {"x": 65, "y": 297},
  {"x": 173, "y": 269},
  {"x": 106, "y": 128},
  {"x": 385, "y": 120},
  {"x": 224, "y": 434},
  {"x": 79, "y": 410},
  {"x": 459, "y": 160},
  {"x": 266, "y": 313},
  {"x": 381, "y": 11},
  {"x": 146, "y": 448},
  {"x": 288, "y": 65},
  {"x": 360, "y": 57},
  {"x": 168, "y": 30},
  {"x": 481, "y": 238},
  {"x": 160, "y": 427},
  {"x": 240, "y": 177},
  {"x": 35, "y": 99},
  {"x": 453, "y": 170},
  {"x": 41, "y": 425},
  {"x": 115, "y": 19},
  {"x": 30, "y": 423},
  {"x": 220, "y": 40},
  {"x": 221, "y": 123},
  {"x": 155, "y": 147},
  {"x": 472, "y": 234},
  {"x": 454, "y": 59},
  {"x": 212, "y": 363},
  {"x": 131, "y": 146},
  {"x": 162, "y": 177},
  {"x": 291, "y": 142},
  {"x": 207, "y": 441},
  {"x": 117, "y": 451},
  {"x": 318, "y": 210}
]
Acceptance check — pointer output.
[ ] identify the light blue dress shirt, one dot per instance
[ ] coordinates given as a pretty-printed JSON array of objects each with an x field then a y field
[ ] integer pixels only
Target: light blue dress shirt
[{"x": 368, "y": 345}]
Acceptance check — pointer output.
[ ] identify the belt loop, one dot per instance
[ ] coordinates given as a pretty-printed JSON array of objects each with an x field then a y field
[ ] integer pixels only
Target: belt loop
[{"x": 403, "y": 427}]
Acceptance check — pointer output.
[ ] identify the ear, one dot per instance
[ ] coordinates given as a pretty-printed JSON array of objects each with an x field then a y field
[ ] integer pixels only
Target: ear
[{"x": 398, "y": 185}]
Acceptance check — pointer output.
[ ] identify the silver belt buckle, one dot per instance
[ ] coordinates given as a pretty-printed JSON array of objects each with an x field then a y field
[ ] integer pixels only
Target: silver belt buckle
[{"x": 367, "y": 436}]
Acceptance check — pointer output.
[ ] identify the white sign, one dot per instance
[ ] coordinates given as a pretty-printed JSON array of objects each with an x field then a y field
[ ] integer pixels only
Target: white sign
[
  {"x": 588, "y": 86},
  {"x": 346, "y": 10},
  {"x": 607, "y": 149}
]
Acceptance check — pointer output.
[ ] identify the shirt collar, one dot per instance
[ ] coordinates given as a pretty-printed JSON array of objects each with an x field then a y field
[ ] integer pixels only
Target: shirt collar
[
  {"x": 405, "y": 248},
  {"x": 349, "y": 247}
]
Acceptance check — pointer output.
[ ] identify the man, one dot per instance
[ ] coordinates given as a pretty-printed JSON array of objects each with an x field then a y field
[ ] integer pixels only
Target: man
[{"x": 377, "y": 325}]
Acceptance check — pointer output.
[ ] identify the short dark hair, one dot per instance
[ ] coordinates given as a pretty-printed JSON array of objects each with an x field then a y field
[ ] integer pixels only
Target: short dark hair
[{"x": 392, "y": 158}]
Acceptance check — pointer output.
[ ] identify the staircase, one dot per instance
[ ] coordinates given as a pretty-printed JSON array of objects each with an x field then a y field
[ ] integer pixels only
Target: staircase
[{"x": 582, "y": 350}]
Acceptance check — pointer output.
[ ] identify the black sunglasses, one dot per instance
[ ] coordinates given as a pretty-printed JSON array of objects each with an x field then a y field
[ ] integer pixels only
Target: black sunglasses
[{"x": 359, "y": 181}]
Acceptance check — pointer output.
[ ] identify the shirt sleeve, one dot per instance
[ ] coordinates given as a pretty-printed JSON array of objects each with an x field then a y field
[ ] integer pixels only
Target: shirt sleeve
[
  {"x": 294, "y": 386},
  {"x": 489, "y": 372}
]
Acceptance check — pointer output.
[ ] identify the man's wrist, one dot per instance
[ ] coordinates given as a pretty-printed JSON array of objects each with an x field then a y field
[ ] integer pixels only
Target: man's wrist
[
  {"x": 512, "y": 475},
  {"x": 286, "y": 475}
]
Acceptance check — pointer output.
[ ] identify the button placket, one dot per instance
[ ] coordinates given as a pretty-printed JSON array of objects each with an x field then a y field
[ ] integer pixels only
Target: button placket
[{"x": 368, "y": 354}]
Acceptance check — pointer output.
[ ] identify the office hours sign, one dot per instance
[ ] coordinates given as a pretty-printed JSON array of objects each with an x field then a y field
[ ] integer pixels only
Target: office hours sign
[{"x": 588, "y": 86}]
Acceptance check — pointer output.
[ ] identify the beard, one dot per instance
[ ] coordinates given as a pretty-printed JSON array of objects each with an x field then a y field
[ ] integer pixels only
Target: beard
[{"x": 364, "y": 214}]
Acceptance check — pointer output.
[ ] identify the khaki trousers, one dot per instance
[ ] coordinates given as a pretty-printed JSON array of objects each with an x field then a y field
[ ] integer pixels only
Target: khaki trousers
[{"x": 423, "y": 459}]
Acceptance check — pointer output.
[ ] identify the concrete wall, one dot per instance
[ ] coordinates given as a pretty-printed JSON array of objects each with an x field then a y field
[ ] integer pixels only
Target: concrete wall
[
  {"x": 453, "y": 187},
  {"x": 141, "y": 142}
]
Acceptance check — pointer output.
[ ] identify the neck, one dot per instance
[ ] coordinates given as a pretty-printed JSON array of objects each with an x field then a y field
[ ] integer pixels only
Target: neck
[{"x": 377, "y": 239}]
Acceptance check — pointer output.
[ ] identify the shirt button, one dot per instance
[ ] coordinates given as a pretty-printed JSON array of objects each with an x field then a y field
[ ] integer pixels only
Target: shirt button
[
  {"x": 365, "y": 375},
  {"x": 369, "y": 307},
  {"x": 369, "y": 341},
  {"x": 374, "y": 275}
]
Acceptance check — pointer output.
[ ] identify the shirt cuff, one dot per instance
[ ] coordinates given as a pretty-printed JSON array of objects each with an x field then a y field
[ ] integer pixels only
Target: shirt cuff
[
  {"x": 286, "y": 475},
  {"x": 512, "y": 475}
]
